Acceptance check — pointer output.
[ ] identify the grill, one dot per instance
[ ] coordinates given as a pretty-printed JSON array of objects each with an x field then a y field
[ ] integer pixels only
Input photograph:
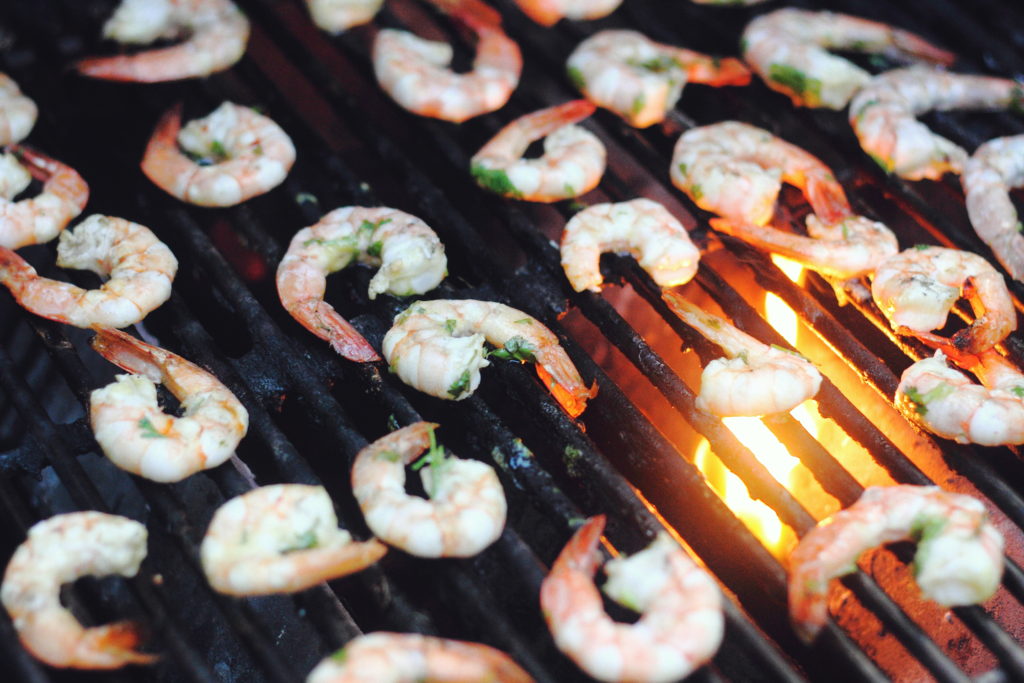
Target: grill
[{"x": 630, "y": 455}]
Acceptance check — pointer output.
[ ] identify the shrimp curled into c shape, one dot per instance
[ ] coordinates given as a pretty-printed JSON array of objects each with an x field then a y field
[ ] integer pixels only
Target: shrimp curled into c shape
[
  {"x": 137, "y": 436},
  {"x": 58, "y": 551},
  {"x": 681, "y": 623},
  {"x": 438, "y": 348},
  {"x": 282, "y": 538},
  {"x": 466, "y": 509},
  {"x": 17, "y": 112},
  {"x": 992, "y": 171},
  {"x": 549, "y": 12},
  {"x": 383, "y": 657},
  {"x": 250, "y": 155},
  {"x": 959, "y": 558},
  {"x": 335, "y": 16},
  {"x": 215, "y": 32},
  {"x": 40, "y": 218},
  {"x": 141, "y": 269}
]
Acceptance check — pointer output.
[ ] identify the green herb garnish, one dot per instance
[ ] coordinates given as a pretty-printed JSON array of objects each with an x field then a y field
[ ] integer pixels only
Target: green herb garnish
[
  {"x": 576, "y": 76},
  {"x": 797, "y": 81},
  {"x": 922, "y": 247},
  {"x": 149, "y": 431},
  {"x": 1018, "y": 391},
  {"x": 459, "y": 386},
  {"x": 516, "y": 347},
  {"x": 696, "y": 192},
  {"x": 436, "y": 458},
  {"x": 921, "y": 401},
  {"x": 340, "y": 656},
  {"x": 682, "y": 168},
  {"x": 218, "y": 151},
  {"x": 303, "y": 541},
  {"x": 449, "y": 325},
  {"x": 375, "y": 249},
  {"x": 659, "y": 64},
  {"x": 639, "y": 102},
  {"x": 495, "y": 180}
]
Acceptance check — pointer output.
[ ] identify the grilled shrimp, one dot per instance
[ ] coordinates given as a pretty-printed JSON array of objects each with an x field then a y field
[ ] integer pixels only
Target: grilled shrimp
[
  {"x": 466, "y": 509},
  {"x": 549, "y": 12},
  {"x": 995, "y": 168},
  {"x": 282, "y": 538},
  {"x": 215, "y": 34},
  {"x": 959, "y": 558},
  {"x": 140, "y": 267},
  {"x": 40, "y": 218},
  {"x": 572, "y": 164},
  {"x": 137, "y": 436},
  {"x": 916, "y": 289},
  {"x": 680, "y": 626},
  {"x": 641, "y": 80},
  {"x": 410, "y": 256},
  {"x": 17, "y": 112},
  {"x": 438, "y": 348},
  {"x": 643, "y": 228},
  {"x": 383, "y": 657},
  {"x": 415, "y": 73},
  {"x": 755, "y": 379},
  {"x": 248, "y": 155},
  {"x": 789, "y": 47},
  {"x": 58, "y": 551},
  {"x": 335, "y": 16},
  {"x": 882, "y": 115}
]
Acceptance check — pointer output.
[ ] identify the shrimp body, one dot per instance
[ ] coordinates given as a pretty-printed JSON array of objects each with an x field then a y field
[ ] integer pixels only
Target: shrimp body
[
  {"x": 681, "y": 623},
  {"x": 60, "y": 550},
  {"x": 17, "y": 112},
  {"x": 993, "y": 170},
  {"x": 382, "y": 657},
  {"x": 40, "y": 218},
  {"x": 788, "y": 48},
  {"x": 438, "y": 348},
  {"x": 282, "y": 538},
  {"x": 643, "y": 228},
  {"x": 466, "y": 509},
  {"x": 959, "y": 558},
  {"x": 916, "y": 289},
  {"x": 882, "y": 115},
  {"x": 137, "y": 436},
  {"x": 140, "y": 267},
  {"x": 215, "y": 35},
  {"x": 754, "y": 378},
  {"x": 641, "y": 80},
  {"x": 335, "y": 16},
  {"x": 250, "y": 153},
  {"x": 549, "y": 12},
  {"x": 572, "y": 164}
]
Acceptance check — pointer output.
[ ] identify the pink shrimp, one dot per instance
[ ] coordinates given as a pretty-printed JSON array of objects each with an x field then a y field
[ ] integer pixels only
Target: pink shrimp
[{"x": 40, "y": 218}]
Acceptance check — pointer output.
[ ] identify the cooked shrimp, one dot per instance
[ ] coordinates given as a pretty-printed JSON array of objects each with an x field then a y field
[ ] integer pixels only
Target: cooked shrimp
[
  {"x": 40, "y": 218},
  {"x": 882, "y": 115},
  {"x": 60, "y": 550},
  {"x": 681, "y": 621},
  {"x": 995, "y": 168},
  {"x": 410, "y": 657},
  {"x": 549, "y": 12},
  {"x": 572, "y": 164},
  {"x": 335, "y": 16},
  {"x": 137, "y": 436},
  {"x": 789, "y": 47},
  {"x": 415, "y": 73},
  {"x": 17, "y": 112},
  {"x": 916, "y": 289},
  {"x": 282, "y": 538},
  {"x": 140, "y": 267},
  {"x": 643, "y": 228},
  {"x": 248, "y": 155},
  {"x": 466, "y": 509},
  {"x": 215, "y": 34},
  {"x": 438, "y": 348},
  {"x": 641, "y": 80},
  {"x": 755, "y": 378},
  {"x": 959, "y": 558}
]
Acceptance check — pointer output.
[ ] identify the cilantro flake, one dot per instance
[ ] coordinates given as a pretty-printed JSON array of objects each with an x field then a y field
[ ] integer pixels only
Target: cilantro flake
[
  {"x": 921, "y": 401},
  {"x": 576, "y": 76},
  {"x": 518, "y": 348},
  {"x": 459, "y": 386},
  {"x": 436, "y": 458},
  {"x": 304, "y": 541},
  {"x": 149, "y": 431},
  {"x": 495, "y": 180},
  {"x": 797, "y": 81}
]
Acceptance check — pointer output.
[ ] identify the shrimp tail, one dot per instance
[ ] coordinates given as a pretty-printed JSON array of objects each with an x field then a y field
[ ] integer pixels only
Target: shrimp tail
[
  {"x": 58, "y": 178},
  {"x": 112, "y": 646},
  {"x": 580, "y": 554},
  {"x": 475, "y": 14},
  {"x": 916, "y": 46},
  {"x": 162, "y": 162},
  {"x": 547, "y": 121},
  {"x": 321, "y": 319},
  {"x": 713, "y": 71},
  {"x": 128, "y": 353},
  {"x": 123, "y": 68},
  {"x": 827, "y": 198},
  {"x": 571, "y": 394}
]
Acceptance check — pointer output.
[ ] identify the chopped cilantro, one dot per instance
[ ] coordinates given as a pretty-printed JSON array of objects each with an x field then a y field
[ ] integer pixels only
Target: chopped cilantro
[
  {"x": 796, "y": 80},
  {"x": 742, "y": 355},
  {"x": 922, "y": 247},
  {"x": 390, "y": 456},
  {"x": 306, "y": 198},
  {"x": 1019, "y": 227},
  {"x": 304, "y": 541},
  {"x": 576, "y": 76},
  {"x": 921, "y": 401},
  {"x": 436, "y": 458},
  {"x": 523, "y": 321},
  {"x": 659, "y": 64},
  {"x": 392, "y": 422},
  {"x": 459, "y": 386},
  {"x": 683, "y": 168},
  {"x": 218, "y": 151},
  {"x": 348, "y": 242},
  {"x": 369, "y": 226},
  {"x": 340, "y": 656},
  {"x": 450, "y": 324},
  {"x": 639, "y": 102},
  {"x": 744, "y": 44},
  {"x": 1018, "y": 391},
  {"x": 375, "y": 249},
  {"x": 518, "y": 348},
  {"x": 495, "y": 180},
  {"x": 696, "y": 192},
  {"x": 149, "y": 431},
  {"x": 257, "y": 150},
  {"x": 569, "y": 190}
]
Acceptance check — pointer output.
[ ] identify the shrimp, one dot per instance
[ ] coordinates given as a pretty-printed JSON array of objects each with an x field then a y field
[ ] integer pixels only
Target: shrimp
[
  {"x": 415, "y": 73},
  {"x": 248, "y": 155},
  {"x": 995, "y": 168},
  {"x": 756, "y": 379},
  {"x": 681, "y": 623},
  {"x": 438, "y": 348},
  {"x": 140, "y": 438},
  {"x": 641, "y": 80},
  {"x": 959, "y": 558},
  {"x": 549, "y": 12},
  {"x": 466, "y": 509},
  {"x": 282, "y": 538},
  {"x": 882, "y": 115},
  {"x": 41, "y": 218},
  {"x": 215, "y": 35},
  {"x": 788, "y": 48},
  {"x": 916, "y": 289},
  {"x": 60, "y": 550},
  {"x": 140, "y": 267},
  {"x": 383, "y": 657},
  {"x": 335, "y": 16},
  {"x": 17, "y": 112},
  {"x": 641, "y": 227},
  {"x": 572, "y": 164}
]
